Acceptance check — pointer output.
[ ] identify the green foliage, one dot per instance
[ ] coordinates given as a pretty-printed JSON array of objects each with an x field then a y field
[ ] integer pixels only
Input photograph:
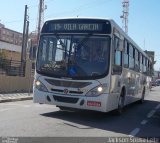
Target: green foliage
[
  {"x": 3, "y": 55},
  {"x": 3, "y": 58}
]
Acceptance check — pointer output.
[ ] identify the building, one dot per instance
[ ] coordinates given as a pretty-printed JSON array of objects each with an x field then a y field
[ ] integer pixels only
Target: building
[
  {"x": 156, "y": 75},
  {"x": 151, "y": 54},
  {"x": 11, "y": 42}
]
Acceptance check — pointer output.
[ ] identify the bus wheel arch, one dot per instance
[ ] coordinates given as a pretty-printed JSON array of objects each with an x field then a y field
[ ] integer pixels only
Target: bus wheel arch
[{"x": 121, "y": 101}]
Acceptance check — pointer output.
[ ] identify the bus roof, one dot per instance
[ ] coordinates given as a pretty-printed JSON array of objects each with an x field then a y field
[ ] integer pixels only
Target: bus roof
[{"x": 66, "y": 18}]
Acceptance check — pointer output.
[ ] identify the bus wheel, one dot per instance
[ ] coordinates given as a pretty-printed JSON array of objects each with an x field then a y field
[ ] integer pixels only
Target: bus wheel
[
  {"x": 143, "y": 95},
  {"x": 120, "y": 104}
]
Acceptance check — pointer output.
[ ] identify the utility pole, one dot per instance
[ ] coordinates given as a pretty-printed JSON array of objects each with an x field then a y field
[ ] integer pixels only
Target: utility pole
[
  {"x": 25, "y": 35},
  {"x": 125, "y": 14},
  {"x": 40, "y": 16},
  {"x": 26, "y": 39}
]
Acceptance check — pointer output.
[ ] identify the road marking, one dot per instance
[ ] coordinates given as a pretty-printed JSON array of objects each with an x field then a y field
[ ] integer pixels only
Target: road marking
[
  {"x": 150, "y": 114},
  {"x": 158, "y": 106},
  {"x": 134, "y": 132},
  {"x": 144, "y": 122}
]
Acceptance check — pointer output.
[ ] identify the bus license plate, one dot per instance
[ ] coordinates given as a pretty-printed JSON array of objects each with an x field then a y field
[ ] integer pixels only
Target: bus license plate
[{"x": 94, "y": 103}]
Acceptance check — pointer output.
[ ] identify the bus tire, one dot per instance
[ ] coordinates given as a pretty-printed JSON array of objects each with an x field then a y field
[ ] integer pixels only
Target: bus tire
[
  {"x": 121, "y": 103},
  {"x": 142, "y": 98}
]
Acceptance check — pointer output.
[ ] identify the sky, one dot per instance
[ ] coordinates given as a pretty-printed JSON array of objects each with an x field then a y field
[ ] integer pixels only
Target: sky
[{"x": 143, "y": 24}]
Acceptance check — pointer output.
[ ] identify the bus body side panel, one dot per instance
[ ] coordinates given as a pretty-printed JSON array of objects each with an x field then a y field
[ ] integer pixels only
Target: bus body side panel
[
  {"x": 132, "y": 84},
  {"x": 115, "y": 90}
]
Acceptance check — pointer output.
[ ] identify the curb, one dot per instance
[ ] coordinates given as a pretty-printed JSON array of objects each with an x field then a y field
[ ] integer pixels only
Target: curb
[{"x": 16, "y": 99}]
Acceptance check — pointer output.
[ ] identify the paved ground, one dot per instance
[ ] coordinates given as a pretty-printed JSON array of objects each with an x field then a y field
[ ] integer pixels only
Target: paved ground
[
  {"x": 15, "y": 97},
  {"x": 25, "y": 118}
]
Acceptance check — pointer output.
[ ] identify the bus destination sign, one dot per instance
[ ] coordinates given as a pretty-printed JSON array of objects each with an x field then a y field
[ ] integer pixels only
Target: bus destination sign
[
  {"x": 77, "y": 26},
  {"x": 73, "y": 27}
]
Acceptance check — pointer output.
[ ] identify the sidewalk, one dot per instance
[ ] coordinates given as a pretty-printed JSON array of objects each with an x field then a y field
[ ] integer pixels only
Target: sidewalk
[{"x": 15, "y": 97}]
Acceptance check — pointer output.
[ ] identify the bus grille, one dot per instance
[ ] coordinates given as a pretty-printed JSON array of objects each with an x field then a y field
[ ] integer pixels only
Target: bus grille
[
  {"x": 65, "y": 99},
  {"x": 71, "y": 92},
  {"x": 62, "y": 83}
]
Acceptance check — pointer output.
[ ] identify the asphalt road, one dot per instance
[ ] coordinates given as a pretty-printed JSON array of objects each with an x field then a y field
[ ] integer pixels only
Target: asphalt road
[{"x": 27, "y": 119}]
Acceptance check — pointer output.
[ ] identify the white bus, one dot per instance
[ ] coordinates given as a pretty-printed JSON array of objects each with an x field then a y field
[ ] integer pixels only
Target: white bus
[{"x": 90, "y": 64}]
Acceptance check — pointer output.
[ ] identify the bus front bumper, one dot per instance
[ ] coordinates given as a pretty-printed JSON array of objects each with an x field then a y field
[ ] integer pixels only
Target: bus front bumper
[{"x": 98, "y": 103}]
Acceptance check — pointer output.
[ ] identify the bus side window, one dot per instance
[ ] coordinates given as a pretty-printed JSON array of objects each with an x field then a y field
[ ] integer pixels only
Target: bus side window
[
  {"x": 131, "y": 57},
  {"x": 117, "y": 56},
  {"x": 126, "y": 54},
  {"x": 149, "y": 68},
  {"x": 137, "y": 60},
  {"x": 141, "y": 62},
  {"x": 145, "y": 65}
]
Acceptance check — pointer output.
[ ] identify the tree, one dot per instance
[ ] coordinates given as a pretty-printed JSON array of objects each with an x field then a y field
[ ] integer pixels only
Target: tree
[
  {"x": 3, "y": 55},
  {"x": 3, "y": 59}
]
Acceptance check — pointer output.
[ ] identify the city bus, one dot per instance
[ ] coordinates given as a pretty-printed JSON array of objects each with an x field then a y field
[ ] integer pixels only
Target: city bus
[{"x": 89, "y": 64}]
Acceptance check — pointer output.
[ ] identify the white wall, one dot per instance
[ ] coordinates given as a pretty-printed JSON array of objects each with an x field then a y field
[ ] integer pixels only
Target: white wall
[{"x": 11, "y": 47}]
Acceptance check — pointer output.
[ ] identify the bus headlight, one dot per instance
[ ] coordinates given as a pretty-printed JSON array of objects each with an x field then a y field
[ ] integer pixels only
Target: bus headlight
[
  {"x": 97, "y": 90},
  {"x": 40, "y": 86}
]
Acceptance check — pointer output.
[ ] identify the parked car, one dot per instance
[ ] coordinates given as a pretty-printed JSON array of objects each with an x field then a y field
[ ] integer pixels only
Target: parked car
[
  {"x": 158, "y": 82},
  {"x": 154, "y": 83}
]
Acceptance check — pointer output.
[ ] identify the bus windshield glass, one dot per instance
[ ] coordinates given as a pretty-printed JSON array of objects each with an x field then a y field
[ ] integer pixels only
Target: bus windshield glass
[{"x": 73, "y": 56}]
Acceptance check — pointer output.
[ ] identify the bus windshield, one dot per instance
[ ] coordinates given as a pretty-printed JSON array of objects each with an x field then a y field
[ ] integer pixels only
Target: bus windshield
[{"x": 73, "y": 56}]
